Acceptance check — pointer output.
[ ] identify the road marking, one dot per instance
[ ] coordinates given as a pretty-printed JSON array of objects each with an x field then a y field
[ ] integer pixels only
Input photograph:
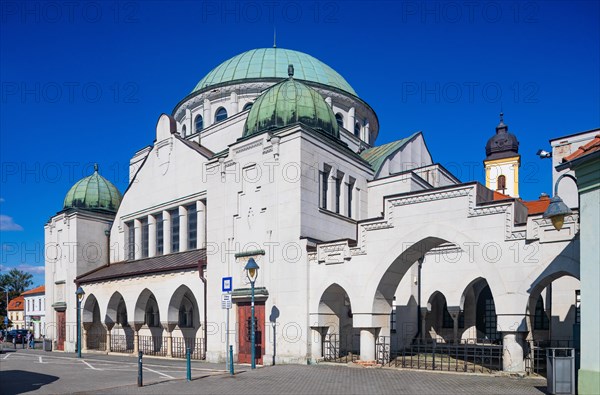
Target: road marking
[
  {"x": 162, "y": 374},
  {"x": 91, "y": 367},
  {"x": 7, "y": 355},
  {"x": 40, "y": 359}
]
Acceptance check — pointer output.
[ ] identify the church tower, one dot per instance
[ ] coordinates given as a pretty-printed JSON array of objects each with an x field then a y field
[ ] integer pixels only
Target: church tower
[{"x": 502, "y": 161}]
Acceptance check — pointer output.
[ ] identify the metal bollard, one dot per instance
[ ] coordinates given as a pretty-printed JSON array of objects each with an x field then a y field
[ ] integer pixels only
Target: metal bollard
[
  {"x": 140, "y": 378},
  {"x": 188, "y": 357},
  {"x": 231, "y": 360}
]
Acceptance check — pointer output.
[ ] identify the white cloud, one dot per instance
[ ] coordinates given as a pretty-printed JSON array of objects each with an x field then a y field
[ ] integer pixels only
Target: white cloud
[
  {"x": 7, "y": 223},
  {"x": 2, "y": 200}
]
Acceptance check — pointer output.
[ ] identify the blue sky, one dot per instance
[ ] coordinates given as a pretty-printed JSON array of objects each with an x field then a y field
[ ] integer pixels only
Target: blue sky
[{"x": 85, "y": 82}]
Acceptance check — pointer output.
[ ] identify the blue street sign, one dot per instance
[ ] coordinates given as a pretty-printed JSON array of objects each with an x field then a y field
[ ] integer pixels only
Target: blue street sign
[
  {"x": 227, "y": 284},
  {"x": 5, "y": 320}
]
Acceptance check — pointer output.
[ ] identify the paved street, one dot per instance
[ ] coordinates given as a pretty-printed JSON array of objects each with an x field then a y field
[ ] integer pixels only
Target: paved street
[{"x": 39, "y": 372}]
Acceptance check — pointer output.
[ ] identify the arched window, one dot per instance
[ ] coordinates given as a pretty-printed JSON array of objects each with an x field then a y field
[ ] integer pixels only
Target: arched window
[
  {"x": 340, "y": 119},
  {"x": 183, "y": 130},
  {"x": 357, "y": 129},
  {"x": 221, "y": 114},
  {"x": 501, "y": 183},
  {"x": 152, "y": 317},
  {"x": 186, "y": 318},
  {"x": 199, "y": 122},
  {"x": 247, "y": 106}
]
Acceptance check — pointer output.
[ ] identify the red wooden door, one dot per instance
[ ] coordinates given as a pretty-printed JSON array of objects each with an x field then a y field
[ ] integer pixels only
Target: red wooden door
[
  {"x": 61, "y": 330},
  {"x": 244, "y": 332}
]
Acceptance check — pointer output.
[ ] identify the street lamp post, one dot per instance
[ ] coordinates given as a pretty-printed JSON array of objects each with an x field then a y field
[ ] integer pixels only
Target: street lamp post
[
  {"x": 79, "y": 293},
  {"x": 252, "y": 272}
]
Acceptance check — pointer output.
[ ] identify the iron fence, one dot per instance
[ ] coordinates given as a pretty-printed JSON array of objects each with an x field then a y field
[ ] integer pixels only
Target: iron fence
[
  {"x": 121, "y": 343},
  {"x": 383, "y": 349},
  {"x": 535, "y": 354},
  {"x": 332, "y": 351},
  {"x": 95, "y": 341},
  {"x": 153, "y": 345},
  {"x": 181, "y": 344},
  {"x": 462, "y": 357}
]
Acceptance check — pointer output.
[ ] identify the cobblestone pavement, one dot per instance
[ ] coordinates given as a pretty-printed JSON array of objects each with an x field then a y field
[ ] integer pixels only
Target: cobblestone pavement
[{"x": 43, "y": 373}]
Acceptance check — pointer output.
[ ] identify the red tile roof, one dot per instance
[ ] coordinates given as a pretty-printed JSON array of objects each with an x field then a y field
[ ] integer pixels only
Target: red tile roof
[
  {"x": 17, "y": 304},
  {"x": 533, "y": 206},
  {"x": 39, "y": 290},
  {"x": 537, "y": 206},
  {"x": 586, "y": 149}
]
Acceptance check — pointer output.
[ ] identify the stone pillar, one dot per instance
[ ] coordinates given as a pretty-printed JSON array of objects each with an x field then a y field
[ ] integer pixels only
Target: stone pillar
[
  {"x": 137, "y": 226},
  {"x": 166, "y": 232},
  {"x": 84, "y": 339},
  {"x": 183, "y": 229},
  {"x": 151, "y": 236},
  {"x": 454, "y": 312},
  {"x": 169, "y": 343},
  {"x": 189, "y": 123},
  {"x": 344, "y": 196},
  {"x": 108, "y": 337},
  {"x": 201, "y": 223},
  {"x": 351, "y": 120},
  {"x": 233, "y": 100},
  {"x": 367, "y": 344},
  {"x": 316, "y": 347},
  {"x": 136, "y": 339},
  {"x": 207, "y": 117},
  {"x": 366, "y": 137},
  {"x": 512, "y": 352},
  {"x": 423, "y": 323}
]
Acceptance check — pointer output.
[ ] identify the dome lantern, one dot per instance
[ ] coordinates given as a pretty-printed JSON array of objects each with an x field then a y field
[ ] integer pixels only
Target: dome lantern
[{"x": 287, "y": 103}]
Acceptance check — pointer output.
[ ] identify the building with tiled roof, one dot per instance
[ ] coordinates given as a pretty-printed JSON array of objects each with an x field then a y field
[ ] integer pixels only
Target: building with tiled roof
[
  {"x": 35, "y": 310},
  {"x": 273, "y": 160},
  {"x": 16, "y": 312}
]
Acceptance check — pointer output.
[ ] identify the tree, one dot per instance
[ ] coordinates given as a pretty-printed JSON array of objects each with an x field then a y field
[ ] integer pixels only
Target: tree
[{"x": 16, "y": 281}]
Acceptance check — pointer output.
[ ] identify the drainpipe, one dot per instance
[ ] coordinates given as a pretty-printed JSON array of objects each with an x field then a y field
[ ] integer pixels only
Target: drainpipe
[{"x": 201, "y": 267}]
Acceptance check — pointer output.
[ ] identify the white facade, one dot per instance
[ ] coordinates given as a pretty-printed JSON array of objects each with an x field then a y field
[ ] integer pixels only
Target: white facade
[
  {"x": 337, "y": 227},
  {"x": 35, "y": 313}
]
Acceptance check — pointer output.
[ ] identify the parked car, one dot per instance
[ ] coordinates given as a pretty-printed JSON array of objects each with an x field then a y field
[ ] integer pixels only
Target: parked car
[{"x": 19, "y": 334}]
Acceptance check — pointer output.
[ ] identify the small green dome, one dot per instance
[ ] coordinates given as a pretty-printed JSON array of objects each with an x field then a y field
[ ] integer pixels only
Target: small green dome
[
  {"x": 265, "y": 63},
  {"x": 93, "y": 193},
  {"x": 287, "y": 103}
]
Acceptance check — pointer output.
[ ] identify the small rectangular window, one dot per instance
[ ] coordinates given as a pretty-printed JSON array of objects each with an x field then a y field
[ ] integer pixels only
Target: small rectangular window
[
  {"x": 338, "y": 191},
  {"x": 324, "y": 175},
  {"x": 144, "y": 224},
  {"x": 192, "y": 227},
  {"x": 351, "y": 182},
  {"x": 159, "y": 233},
  {"x": 174, "y": 230},
  {"x": 577, "y": 306},
  {"x": 130, "y": 240}
]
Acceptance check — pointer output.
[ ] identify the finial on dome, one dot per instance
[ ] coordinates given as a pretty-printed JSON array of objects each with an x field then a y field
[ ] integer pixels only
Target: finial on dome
[
  {"x": 95, "y": 167},
  {"x": 501, "y": 117},
  {"x": 290, "y": 70}
]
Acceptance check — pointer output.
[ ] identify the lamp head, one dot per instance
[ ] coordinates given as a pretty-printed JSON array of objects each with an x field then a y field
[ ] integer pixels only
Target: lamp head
[
  {"x": 556, "y": 211},
  {"x": 79, "y": 293},
  {"x": 251, "y": 270}
]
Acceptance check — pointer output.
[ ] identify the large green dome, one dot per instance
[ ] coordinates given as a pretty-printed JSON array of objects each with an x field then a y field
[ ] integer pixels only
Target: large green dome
[
  {"x": 94, "y": 193},
  {"x": 272, "y": 63},
  {"x": 287, "y": 103}
]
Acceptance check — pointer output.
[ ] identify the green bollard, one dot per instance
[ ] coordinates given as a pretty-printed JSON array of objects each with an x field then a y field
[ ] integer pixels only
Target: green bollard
[
  {"x": 188, "y": 357},
  {"x": 140, "y": 378},
  {"x": 231, "y": 360}
]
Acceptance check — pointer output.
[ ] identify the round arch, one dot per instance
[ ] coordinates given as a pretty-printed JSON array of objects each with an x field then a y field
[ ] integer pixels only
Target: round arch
[
  {"x": 115, "y": 306},
  {"x": 139, "y": 314},
  {"x": 91, "y": 310},
  {"x": 386, "y": 277},
  {"x": 183, "y": 296}
]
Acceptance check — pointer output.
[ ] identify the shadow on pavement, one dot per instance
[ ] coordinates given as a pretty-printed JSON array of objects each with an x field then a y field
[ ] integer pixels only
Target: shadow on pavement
[{"x": 20, "y": 381}]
